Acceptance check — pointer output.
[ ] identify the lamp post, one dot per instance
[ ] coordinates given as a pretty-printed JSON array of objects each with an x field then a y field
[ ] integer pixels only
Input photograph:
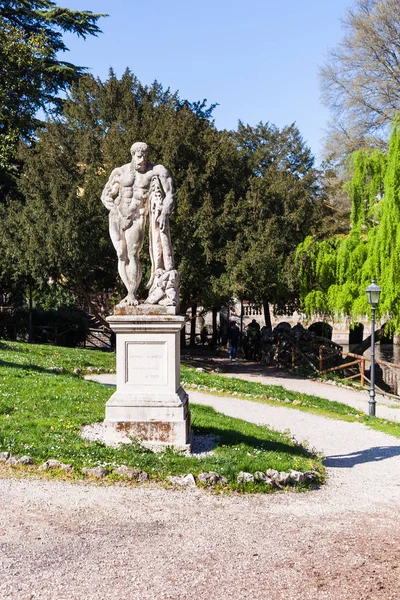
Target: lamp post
[{"x": 373, "y": 293}]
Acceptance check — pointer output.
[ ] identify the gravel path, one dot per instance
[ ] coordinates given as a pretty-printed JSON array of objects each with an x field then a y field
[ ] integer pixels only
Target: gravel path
[{"x": 62, "y": 541}]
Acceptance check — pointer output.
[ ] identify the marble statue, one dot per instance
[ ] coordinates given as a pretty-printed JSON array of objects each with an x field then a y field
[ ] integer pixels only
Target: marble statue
[{"x": 132, "y": 191}]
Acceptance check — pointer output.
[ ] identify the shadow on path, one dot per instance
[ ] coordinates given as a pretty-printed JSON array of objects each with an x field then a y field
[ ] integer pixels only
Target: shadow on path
[
  {"x": 242, "y": 367},
  {"x": 347, "y": 461}
]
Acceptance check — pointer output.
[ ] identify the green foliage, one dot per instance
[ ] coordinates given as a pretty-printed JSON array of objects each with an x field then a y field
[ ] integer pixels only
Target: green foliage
[
  {"x": 280, "y": 208},
  {"x": 60, "y": 229},
  {"x": 336, "y": 272},
  {"x": 366, "y": 184},
  {"x": 32, "y": 75},
  {"x": 243, "y": 200}
]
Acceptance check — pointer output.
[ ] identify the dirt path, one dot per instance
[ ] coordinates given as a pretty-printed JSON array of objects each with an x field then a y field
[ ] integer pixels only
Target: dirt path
[{"x": 61, "y": 541}]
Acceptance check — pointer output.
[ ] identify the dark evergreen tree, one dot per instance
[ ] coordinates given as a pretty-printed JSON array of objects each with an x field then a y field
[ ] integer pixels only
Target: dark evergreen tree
[
  {"x": 281, "y": 207},
  {"x": 61, "y": 227},
  {"x": 31, "y": 73}
]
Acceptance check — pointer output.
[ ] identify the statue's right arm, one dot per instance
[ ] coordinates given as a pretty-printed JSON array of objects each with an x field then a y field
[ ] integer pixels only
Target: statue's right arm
[{"x": 111, "y": 189}]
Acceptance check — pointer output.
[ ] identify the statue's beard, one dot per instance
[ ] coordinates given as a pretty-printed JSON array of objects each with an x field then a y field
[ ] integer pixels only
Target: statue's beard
[{"x": 134, "y": 167}]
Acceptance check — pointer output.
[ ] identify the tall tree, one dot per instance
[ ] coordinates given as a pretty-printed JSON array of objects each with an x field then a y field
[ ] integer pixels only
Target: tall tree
[
  {"x": 281, "y": 207},
  {"x": 31, "y": 73},
  {"x": 61, "y": 228},
  {"x": 336, "y": 272},
  {"x": 361, "y": 79}
]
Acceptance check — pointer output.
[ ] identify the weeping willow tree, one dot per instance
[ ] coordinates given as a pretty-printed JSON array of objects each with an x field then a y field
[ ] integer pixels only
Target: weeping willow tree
[{"x": 335, "y": 273}]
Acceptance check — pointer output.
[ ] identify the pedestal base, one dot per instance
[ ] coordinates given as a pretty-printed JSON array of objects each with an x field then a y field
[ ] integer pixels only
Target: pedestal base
[{"x": 149, "y": 404}]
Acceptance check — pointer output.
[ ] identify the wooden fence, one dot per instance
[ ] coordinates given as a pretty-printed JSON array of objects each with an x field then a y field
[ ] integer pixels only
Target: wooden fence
[{"x": 391, "y": 371}]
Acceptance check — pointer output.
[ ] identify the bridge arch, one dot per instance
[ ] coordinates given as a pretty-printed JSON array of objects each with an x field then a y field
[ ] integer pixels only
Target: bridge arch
[{"x": 321, "y": 329}]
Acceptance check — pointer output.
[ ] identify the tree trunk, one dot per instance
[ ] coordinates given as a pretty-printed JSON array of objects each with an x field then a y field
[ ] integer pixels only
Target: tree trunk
[
  {"x": 193, "y": 325},
  {"x": 183, "y": 338},
  {"x": 30, "y": 327},
  {"x": 92, "y": 308},
  {"x": 214, "y": 325},
  {"x": 361, "y": 348},
  {"x": 267, "y": 314}
]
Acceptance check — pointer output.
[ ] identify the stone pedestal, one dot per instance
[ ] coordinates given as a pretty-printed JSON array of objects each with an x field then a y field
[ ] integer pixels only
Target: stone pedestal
[{"x": 149, "y": 403}]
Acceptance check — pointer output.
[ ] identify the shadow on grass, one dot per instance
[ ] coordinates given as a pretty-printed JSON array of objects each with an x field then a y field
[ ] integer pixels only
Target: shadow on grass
[
  {"x": 30, "y": 367},
  {"x": 13, "y": 347},
  {"x": 232, "y": 437},
  {"x": 240, "y": 367}
]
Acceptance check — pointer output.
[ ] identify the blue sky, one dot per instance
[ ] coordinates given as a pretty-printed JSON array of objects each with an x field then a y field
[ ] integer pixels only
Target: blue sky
[{"x": 258, "y": 59}]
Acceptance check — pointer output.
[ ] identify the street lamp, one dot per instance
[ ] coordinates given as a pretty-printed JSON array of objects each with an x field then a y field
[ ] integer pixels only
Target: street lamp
[{"x": 373, "y": 293}]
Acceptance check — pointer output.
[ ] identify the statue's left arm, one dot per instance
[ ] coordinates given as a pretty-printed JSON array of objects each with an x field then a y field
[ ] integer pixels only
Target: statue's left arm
[{"x": 169, "y": 200}]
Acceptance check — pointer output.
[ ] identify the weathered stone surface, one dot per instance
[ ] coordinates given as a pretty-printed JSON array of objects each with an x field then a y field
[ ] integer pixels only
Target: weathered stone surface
[
  {"x": 97, "y": 472},
  {"x": 189, "y": 480},
  {"x": 127, "y": 472},
  {"x": 4, "y": 456},
  {"x": 297, "y": 476},
  {"x": 12, "y": 461},
  {"x": 149, "y": 404},
  {"x": 143, "y": 476},
  {"x": 277, "y": 478},
  {"x": 260, "y": 476},
  {"x": 311, "y": 476},
  {"x": 212, "y": 478},
  {"x": 145, "y": 309},
  {"x": 26, "y": 460},
  {"x": 131, "y": 193},
  {"x": 52, "y": 463},
  {"x": 77, "y": 371},
  {"x": 183, "y": 481},
  {"x": 284, "y": 478},
  {"x": 244, "y": 477},
  {"x": 271, "y": 473}
]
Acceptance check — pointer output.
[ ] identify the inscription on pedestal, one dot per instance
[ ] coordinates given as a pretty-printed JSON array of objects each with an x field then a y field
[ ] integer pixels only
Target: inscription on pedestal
[{"x": 146, "y": 364}]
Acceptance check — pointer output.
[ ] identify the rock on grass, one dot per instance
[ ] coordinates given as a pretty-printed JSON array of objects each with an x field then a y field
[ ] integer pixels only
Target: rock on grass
[
  {"x": 52, "y": 463},
  {"x": 97, "y": 472},
  {"x": 133, "y": 474},
  {"x": 183, "y": 481},
  {"x": 244, "y": 477},
  {"x": 212, "y": 478}
]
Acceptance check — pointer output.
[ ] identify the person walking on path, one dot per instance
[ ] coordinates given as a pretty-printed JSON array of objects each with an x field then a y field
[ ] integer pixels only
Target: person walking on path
[{"x": 233, "y": 338}]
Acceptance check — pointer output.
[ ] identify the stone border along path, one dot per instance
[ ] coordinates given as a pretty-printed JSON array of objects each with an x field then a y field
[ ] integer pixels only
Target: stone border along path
[{"x": 63, "y": 541}]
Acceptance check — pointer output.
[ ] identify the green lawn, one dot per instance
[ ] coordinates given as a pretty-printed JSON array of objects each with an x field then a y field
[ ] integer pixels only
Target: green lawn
[
  {"x": 51, "y": 357},
  {"x": 42, "y": 411}
]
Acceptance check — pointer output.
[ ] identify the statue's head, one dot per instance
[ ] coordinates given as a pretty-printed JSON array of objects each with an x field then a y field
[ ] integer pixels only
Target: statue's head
[{"x": 139, "y": 151}]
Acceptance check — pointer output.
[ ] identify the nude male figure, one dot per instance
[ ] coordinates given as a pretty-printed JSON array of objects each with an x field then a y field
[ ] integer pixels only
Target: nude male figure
[{"x": 127, "y": 195}]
